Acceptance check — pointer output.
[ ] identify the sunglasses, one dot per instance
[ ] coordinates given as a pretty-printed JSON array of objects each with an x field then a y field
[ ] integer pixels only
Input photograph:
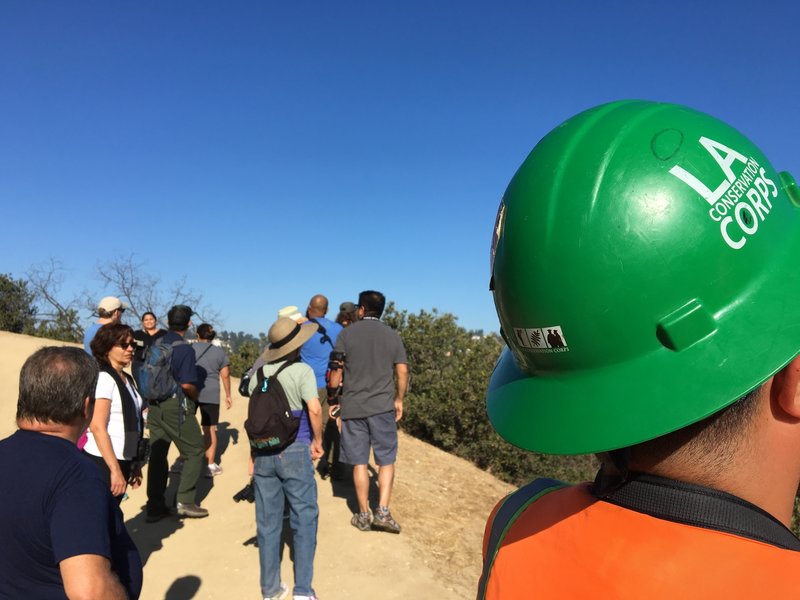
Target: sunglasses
[{"x": 126, "y": 345}]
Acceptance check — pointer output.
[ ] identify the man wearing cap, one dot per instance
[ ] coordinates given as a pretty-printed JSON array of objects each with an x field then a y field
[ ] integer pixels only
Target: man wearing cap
[
  {"x": 316, "y": 353},
  {"x": 683, "y": 377},
  {"x": 372, "y": 359},
  {"x": 174, "y": 420},
  {"x": 348, "y": 313},
  {"x": 287, "y": 475},
  {"x": 109, "y": 310}
]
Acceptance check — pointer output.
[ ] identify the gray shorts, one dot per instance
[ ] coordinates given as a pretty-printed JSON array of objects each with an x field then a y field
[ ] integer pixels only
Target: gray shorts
[{"x": 378, "y": 431}]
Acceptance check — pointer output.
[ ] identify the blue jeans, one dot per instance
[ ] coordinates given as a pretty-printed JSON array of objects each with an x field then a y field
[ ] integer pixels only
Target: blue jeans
[{"x": 290, "y": 476}]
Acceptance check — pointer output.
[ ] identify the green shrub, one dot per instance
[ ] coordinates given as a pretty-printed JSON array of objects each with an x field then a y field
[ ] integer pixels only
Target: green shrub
[{"x": 445, "y": 405}]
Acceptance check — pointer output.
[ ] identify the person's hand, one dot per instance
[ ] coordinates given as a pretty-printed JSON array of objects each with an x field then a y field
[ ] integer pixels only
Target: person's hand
[
  {"x": 398, "y": 409},
  {"x": 333, "y": 411},
  {"x": 135, "y": 480},
  {"x": 118, "y": 483},
  {"x": 228, "y": 402},
  {"x": 316, "y": 450}
]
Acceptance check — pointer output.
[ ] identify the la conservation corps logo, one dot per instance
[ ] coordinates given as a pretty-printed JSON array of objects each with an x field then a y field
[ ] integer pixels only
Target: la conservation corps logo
[
  {"x": 741, "y": 201},
  {"x": 543, "y": 340}
]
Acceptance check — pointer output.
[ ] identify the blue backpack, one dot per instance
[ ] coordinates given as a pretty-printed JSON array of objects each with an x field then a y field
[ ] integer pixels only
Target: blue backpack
[{"x": 155, "y": 374}]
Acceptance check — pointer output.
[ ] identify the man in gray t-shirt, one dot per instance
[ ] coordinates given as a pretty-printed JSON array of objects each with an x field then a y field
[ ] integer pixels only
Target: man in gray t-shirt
[
  {"x": 212, "y": 367},
  {"x": 372, "y": 359}
]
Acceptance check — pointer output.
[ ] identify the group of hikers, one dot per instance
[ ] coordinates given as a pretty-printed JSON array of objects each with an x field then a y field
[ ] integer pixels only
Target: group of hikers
[
  {"x": 342, "y": 384},
  {"x": 643, "y": 272}
]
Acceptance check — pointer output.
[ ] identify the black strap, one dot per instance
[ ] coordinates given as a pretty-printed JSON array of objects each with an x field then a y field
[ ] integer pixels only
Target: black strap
[
  {"x": 699, "y": 506},
  {"x": 130, "y": 418},
  {"x": 260, "y": 373},
  {"x": 203, "y": 353},
  {"x": 325, "y": 337}
]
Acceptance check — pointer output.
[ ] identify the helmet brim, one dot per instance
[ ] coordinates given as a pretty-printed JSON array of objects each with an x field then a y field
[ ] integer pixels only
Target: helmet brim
[{"x": 624, "y": 404}]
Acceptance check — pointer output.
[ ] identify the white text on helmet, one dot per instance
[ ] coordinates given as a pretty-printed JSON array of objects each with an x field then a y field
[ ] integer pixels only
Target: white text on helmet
[{"x": 728, "y": 204}]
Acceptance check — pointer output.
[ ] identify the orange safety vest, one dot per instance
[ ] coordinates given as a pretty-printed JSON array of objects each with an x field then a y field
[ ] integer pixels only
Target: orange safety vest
[{"x": 560, "y": 541}]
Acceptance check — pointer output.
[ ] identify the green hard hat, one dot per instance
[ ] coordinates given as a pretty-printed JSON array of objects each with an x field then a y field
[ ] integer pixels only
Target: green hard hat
[{"x": 646, "y": 273}]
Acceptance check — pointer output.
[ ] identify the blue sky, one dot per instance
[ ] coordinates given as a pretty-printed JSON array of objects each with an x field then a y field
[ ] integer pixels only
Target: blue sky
[{"x": 269, "y": 151}]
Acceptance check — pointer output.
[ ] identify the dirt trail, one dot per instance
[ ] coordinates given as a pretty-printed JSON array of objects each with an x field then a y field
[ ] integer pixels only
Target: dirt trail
[{"x": 440, "y": 500}]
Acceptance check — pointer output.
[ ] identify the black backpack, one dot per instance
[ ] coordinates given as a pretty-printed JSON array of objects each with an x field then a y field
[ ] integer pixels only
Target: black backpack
[{"x": 270, "y": 424}]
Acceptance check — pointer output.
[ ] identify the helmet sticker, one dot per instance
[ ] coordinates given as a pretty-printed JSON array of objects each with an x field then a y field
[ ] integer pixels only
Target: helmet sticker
[
  {"x": 739, "y": 202},
  {"x": 543, "y": 340},
  {"x": 497, "y": 232}
]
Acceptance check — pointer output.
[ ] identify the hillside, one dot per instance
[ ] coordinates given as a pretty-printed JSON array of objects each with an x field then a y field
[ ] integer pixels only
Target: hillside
[{"x": 440, "y": 500}]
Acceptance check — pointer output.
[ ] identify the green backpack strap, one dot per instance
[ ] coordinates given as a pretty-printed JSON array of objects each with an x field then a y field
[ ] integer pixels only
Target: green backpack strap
[{"x": 511, "y": 508}]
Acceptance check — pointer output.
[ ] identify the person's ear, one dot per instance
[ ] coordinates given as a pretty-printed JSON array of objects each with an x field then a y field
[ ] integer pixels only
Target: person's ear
[
  {"x": 88, "y": 408},
  {"x": 786, "y": 388}
]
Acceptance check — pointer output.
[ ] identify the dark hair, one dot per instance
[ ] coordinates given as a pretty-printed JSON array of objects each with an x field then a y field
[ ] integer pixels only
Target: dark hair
[
  {"x": 178, "y": 317},
  {"x": 106, "y": 338},
  {"x": 206, "y": 332},
  {"x": 54, "y": 383},
  {"x": 346, "y": 317},
  {"x": 151, "y": 313},
  {"x": 373, "y": 303},
  {"x": 107, "y": 314},
  {"x": 711, "y": 441}
]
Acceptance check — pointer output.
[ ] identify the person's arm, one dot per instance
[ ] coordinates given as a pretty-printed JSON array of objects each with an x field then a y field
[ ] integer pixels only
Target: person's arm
[
  {"x": 225, "y": 376},
  {"x": 89, "y": 577},
  {"x": 315, "y": 420},
  {"x": 99, "y": 429},
  {"x": 190, "y": 390},
  {"x": 184, "y": 370},
  {"x": 401, "y": 382},
  {"x": 309, "y": 394},
  {"x": 335, "y": 374}
]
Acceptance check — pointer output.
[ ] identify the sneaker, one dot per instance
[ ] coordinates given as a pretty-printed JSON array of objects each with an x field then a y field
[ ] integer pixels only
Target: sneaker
[
  {"x": 154, "y": 514},
  {"x": 213, "y": 470},
  {"x": 311, "y": 597},
  {"x": 383, "y": 521},
  {"x": 361, "y": 521},
  {"x": 177, "y": 466},
  {"x": 283, "y": 592},
  {"x": 192, "y": 511}
]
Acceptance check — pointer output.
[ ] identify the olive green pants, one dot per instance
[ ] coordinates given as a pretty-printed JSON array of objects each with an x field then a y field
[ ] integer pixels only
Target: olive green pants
[{"x": 168, "y": 423}]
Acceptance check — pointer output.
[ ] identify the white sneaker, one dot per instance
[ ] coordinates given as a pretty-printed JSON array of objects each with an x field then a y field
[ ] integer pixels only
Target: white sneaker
[
  {"x": 312, "y": 597},
  {"x": 213, "y": 470},
  {"x": 283, "y": 592}
]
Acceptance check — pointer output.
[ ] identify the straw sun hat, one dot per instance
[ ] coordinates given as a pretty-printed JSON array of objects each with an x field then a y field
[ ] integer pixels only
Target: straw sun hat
[{"x": 286, "y": 335}]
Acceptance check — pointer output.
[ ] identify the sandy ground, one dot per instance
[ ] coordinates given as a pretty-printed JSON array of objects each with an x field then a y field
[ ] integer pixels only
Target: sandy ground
[{"x": 441, "y": 502}]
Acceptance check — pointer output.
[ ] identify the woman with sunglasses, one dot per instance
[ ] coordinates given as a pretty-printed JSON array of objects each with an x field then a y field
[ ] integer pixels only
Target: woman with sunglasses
[{"x": 116, "y": 426}]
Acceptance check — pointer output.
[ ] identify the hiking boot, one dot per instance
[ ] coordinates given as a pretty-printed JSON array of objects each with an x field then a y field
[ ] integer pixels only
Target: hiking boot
[
  {"x": 191, "y": 511},
  {"x": 361, "y": 521},
  {"x": 383, "y": 521},
  {"x": 155, "y": 514},
  {"x": 283, "y": 592}
]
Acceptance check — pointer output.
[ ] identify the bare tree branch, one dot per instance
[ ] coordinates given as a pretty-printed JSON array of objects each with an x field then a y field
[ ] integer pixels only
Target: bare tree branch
[{"x": 143, "y": 291}]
